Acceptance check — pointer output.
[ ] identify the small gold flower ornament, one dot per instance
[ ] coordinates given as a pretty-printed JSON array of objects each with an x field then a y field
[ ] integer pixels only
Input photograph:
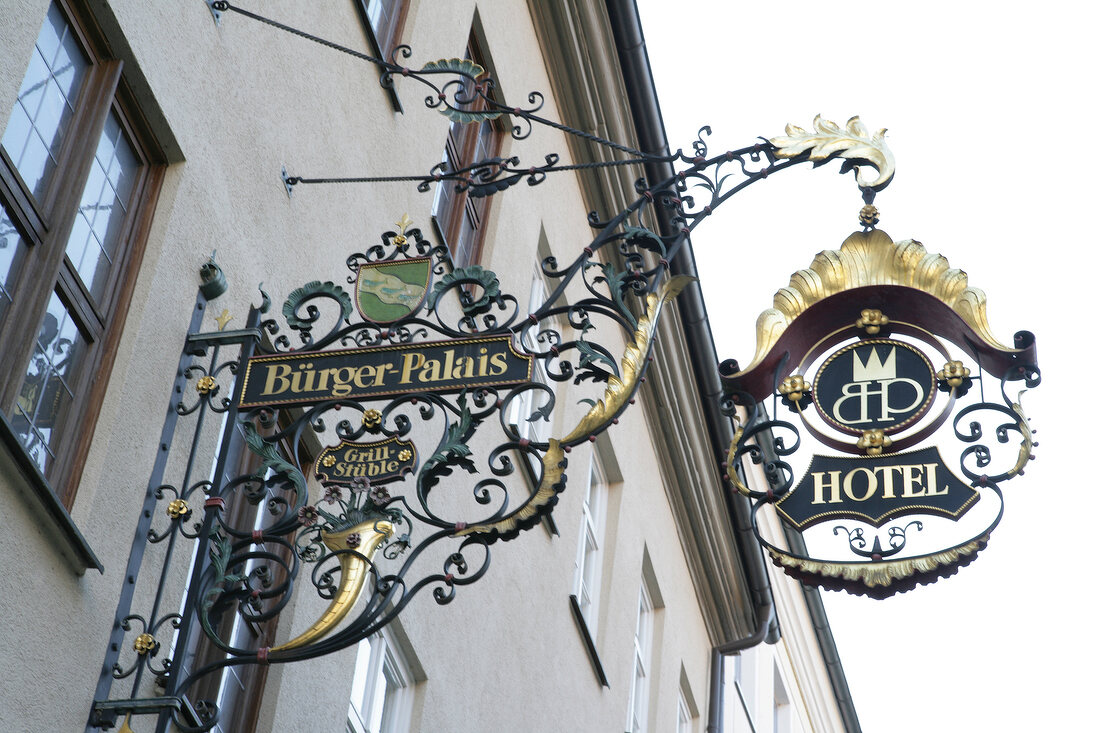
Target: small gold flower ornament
[
  {"x": 793, "y": 388},
  {"x": 372, "y": 419},
  {"x": 871, "y": 320},
  {"x": 144, "y": 644},
  {"x": 177, "y": 508},
  {"x": 953, "y": 373},
  {"x": 873, "y": 441}
]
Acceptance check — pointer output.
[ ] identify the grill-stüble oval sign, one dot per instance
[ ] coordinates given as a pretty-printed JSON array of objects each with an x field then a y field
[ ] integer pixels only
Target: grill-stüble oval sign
[{"x": 875, "y": 384}]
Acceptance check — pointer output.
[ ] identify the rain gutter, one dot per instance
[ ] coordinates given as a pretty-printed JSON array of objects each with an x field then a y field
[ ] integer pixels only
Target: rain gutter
[
  {"x": 649, "y": 124},
  {"x": 825, "y": 640}
]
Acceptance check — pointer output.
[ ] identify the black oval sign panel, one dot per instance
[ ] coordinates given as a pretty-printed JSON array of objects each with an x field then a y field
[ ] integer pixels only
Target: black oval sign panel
[{"x": 875, "y": 384}]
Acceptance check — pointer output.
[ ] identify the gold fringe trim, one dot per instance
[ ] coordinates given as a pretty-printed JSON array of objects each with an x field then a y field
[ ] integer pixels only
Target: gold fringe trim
[{"x": 879, "y": 574}]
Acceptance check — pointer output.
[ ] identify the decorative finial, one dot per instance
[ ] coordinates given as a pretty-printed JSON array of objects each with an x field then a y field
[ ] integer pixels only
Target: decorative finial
[
  {"x": 223, "y": 319},
  {"x": 212, "y": 279},
  {"x": 404, "y": 223},
  {"x": 868, "y": 216}
]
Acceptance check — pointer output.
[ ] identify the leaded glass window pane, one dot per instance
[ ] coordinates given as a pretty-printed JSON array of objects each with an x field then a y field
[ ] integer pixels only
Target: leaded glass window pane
[
  {"x": 96, "y": 232},
  {"x": 12, "y": 251},
  {"x": 44, "y": 109},
  {"x": 46, "y": 393}
]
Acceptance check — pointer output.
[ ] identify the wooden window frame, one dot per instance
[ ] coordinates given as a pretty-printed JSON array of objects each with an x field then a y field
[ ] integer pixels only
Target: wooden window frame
[
  {"x": 382, "y": 44},
  {"x": 461, "y": 144},
  {"x": 45, "y": 226},
  {"x": 384, "y": 40}
]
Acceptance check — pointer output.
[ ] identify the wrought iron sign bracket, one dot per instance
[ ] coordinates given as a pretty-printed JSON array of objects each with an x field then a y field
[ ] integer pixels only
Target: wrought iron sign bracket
[
  {"x": 105, "y": 713},
  {"x": 214, "y": 11},
  {"x": 198, "y": 343}
]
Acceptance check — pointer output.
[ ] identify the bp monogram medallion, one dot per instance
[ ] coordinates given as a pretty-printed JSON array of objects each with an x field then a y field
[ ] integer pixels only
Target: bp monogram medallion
[
  {"x": 888, "y": 344},
  {"x": 874, "y": 384}
]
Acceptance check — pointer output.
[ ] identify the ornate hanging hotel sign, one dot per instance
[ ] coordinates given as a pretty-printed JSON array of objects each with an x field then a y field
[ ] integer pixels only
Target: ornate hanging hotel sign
[{"x": 875, "y": 348}]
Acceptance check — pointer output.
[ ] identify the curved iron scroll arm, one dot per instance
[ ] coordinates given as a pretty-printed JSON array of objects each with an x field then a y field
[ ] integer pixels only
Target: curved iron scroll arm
[
  {"x": 348, "y": 534},
  {"x": 977, "y": 458},
  {"x": 341, "y": 535},
  {"x": 458, "y": 88}
]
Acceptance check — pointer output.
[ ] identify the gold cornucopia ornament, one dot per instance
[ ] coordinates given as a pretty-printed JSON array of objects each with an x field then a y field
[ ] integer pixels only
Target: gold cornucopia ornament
[{"x": 355, "y": 556}]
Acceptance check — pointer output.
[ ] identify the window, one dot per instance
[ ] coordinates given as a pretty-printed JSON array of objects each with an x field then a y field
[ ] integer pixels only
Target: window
[
  {"x": 239, "y": 690},
  {"x": 77, "y": 187},
  {"x": 643, "y": 657},
  {"x": 586, "y": 584},
  {"x": 385, "y": 19},
  {"x": 743, "y": 664},
  {"x": 459, "y": 217},
  {"x": 781, "y": 710},
  {"x": 683, "y": 714},
  {"x": 687, "y": 711},
  {"x": 381, "y": 698}
]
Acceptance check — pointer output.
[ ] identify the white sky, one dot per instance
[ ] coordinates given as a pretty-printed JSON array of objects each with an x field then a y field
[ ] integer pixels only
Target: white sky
[{"x": 991, "y": 116}]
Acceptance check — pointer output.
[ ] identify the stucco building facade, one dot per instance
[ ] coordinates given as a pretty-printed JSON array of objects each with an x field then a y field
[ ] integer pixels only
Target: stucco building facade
[{"x": 140, "y": 138}]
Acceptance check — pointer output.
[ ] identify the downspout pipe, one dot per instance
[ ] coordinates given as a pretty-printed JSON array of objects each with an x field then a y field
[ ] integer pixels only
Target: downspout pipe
[{"x": 649, "y": 124}]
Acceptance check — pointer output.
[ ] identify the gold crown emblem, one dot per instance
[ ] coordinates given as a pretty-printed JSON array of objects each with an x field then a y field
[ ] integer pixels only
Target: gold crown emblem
[{"x": 874, "y": 369}]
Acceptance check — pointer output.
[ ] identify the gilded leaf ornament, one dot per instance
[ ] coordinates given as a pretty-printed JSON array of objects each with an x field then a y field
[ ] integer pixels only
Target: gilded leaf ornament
[
  {"x": 599, "y": 416},
  {"x": 828, "y": 140},
  {"x": 873, "y": 258},
  {"x": 553, "y": 466},
  {"x": 1027, "y": 445},
  {"x": 619, "y": 389}
]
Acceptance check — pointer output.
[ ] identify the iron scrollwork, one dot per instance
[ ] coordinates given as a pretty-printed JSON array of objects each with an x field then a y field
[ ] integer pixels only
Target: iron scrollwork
[
  {"x": 381, "y": 541},
  {"x": 616, "y": 290}
]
